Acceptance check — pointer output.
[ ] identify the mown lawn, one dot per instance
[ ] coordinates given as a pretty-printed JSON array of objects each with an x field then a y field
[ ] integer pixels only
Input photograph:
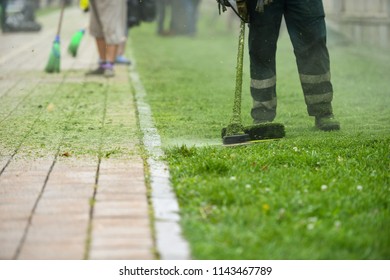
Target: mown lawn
[{"x": 311, "y": 195}]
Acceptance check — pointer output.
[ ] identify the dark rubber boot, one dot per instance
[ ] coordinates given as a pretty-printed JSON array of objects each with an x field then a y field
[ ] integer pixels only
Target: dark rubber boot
[{"x": 327, "y": 123}]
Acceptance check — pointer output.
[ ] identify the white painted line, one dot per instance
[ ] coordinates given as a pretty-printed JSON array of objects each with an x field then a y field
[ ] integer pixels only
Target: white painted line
[{"x": 169, "y": 240}]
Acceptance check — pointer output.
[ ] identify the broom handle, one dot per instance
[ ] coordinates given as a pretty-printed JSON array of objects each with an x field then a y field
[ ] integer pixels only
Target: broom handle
[{"x": 61, "y": 16}]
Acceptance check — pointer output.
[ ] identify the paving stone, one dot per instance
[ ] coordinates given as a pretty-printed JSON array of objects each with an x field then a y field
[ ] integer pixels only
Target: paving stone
[
  {"x": 66, "y": 206},
  {"x": 104, "y": 212},
  {"x": 132, "y": 201},
  {"x": 16, "y": 199},
  {"x": 55, "y": 251},
  {"x": 8, "y": 250},
  {"x": 121, "y": 254},
  {"x": 82, "y": 191},
  {"x": 20, "y": 193},
  {"x": 101, "y": 242},
  {"x": 11, "y": 235},
  {"x": 121, "y": 226},
  {"x": 16, "y": 210},
  {"x": 12, "y": 224},
  {"x": 117, "y": 196},
  {"x": 21, "y": 166},
  {"x": 110, "y": 224},
  {"x": 122, "y": 187},
  {"x": 46, "y": 236},
  {"x": 38, "y": 177},
  {"x": 15, "y": 187},
  {"x": 65, "y": 218}
]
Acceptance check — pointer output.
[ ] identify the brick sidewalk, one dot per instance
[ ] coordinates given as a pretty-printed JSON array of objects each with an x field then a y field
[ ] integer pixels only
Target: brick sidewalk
[{"x": 56, "y": 207}]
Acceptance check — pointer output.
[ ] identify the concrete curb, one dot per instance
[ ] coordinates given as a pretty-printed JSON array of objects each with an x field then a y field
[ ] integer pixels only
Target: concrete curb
[{"x": 169, "y": 241}]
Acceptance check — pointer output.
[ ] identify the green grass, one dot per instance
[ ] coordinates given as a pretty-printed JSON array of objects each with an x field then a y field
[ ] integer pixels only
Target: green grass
[
  {"x": 285, "y": 200},
  {"x": 311, "y": 195}
]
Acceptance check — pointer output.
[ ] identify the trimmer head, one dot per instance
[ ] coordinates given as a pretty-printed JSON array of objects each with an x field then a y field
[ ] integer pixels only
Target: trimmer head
[
  {"x": 234, "y": 134},
  {"x": 235, "y": 139},
  {"x": 265, "y": 131},
  {"x": 255, "y": 132}
]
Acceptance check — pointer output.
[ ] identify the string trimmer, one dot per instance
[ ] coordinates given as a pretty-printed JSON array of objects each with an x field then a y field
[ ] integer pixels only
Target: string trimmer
[{"x": 235, "y": 132}]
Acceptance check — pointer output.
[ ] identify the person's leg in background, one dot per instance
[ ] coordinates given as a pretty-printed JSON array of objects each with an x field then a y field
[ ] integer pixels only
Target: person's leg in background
[
  {"x": 120, "y": 56},
  {"x": 107, "y": 26},
  {"x": 3, "y": 15},
  {"x": 161, "y": 6},
  {"x": 193, "y": 14}
]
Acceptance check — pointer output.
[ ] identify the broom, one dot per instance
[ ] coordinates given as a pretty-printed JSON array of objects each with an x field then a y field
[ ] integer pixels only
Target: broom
[
  {"x": 53, "y": 65},
  {"x": 235, "y": 132},
  {"x": 75, "y": 42}
]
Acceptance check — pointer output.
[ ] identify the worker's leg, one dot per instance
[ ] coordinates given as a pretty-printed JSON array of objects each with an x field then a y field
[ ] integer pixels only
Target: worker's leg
[
  {"x": 263, "y": 36},
  {"x": 306, "y": 26}
]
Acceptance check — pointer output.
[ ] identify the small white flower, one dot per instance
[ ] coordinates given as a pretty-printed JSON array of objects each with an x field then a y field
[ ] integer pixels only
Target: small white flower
[
  {"x": 310, "y": 226},
  {"x": 296, "y": 149},
  {"x": 267, "y": 189},
  {"x": 312, "y": 220},
  {"x": 248, "y": 186},
  {"x": 233, "y": 178},
  {"x": 359, "y": 188},
  {"x": 324, "y": 187}
]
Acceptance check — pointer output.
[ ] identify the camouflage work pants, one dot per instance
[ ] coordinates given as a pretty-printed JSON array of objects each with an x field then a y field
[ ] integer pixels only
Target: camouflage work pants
[{"x": 306, "y": 27}]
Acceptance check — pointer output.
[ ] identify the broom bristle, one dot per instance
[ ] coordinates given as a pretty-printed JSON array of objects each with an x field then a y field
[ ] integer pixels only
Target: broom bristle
[
  {"x": 53, "y": 65},
  {"x": 75, "y": 42}
]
